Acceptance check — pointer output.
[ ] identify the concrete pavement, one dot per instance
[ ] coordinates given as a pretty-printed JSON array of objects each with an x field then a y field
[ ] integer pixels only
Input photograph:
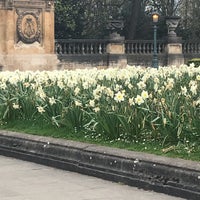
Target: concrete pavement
[
  {"x": 171, "y": 176},
  {"x": 22, "y": 180}
]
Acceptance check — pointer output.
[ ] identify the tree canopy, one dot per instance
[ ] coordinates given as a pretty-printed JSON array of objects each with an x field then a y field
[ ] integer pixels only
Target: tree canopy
[{"x": 89, "y": 18}]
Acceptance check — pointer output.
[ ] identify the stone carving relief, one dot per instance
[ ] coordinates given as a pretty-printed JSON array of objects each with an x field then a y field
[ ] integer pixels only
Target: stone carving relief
[{"x": 28, "y": 26}]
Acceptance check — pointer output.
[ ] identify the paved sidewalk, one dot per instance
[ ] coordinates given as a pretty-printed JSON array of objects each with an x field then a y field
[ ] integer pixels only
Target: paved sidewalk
[{"x": 22, "y": 180}]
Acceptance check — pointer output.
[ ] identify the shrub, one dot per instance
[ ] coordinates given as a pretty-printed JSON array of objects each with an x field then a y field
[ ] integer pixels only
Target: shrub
[{"x": 196, "y": 62}]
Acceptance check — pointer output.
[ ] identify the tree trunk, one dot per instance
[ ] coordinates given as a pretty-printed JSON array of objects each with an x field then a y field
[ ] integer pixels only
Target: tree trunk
[{"x": 135, "y": 12}]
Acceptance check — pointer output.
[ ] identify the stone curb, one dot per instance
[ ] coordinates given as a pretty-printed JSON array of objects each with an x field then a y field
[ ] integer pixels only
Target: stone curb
[{"x": 171, "y": 176}]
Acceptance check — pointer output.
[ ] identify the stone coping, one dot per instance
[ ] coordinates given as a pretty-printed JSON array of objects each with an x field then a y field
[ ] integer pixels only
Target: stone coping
[{"x": 172, "y": 176}]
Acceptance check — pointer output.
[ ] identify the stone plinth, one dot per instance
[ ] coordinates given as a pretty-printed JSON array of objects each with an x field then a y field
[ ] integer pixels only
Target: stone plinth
[
  {"x": 27, "y": 35},
  {"x": 116, "y": 51},
  {"x": 174, "y": 54},
  {"x": 115, "y": 48},
  {"x": 174, "y": 48}
]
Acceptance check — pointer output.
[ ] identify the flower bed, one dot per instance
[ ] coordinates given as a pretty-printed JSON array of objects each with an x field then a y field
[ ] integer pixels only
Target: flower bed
[{"x": 129, "y": 104}]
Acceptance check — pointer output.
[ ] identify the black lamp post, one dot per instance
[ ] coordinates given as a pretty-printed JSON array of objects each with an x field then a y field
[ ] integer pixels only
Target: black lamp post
[{"x": 155, "y": 17}]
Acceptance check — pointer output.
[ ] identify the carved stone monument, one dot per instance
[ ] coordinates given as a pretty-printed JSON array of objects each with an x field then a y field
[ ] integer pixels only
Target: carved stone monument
[{"x": 27, "y": 35}]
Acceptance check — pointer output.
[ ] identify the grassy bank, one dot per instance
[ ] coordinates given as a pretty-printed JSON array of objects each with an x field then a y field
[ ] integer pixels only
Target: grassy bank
[{"x": 187, "y": 152}]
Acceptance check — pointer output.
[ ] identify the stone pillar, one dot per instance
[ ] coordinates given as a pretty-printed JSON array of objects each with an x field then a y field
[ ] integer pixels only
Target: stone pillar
[
  {"x": 174, "y": 50},
  {"x": 27, "y": 35},
  {"x": 116, "y": 45}
]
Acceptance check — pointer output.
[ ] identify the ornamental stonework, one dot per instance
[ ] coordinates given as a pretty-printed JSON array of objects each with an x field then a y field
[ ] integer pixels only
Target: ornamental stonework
[{"x": 28, "y": 26}]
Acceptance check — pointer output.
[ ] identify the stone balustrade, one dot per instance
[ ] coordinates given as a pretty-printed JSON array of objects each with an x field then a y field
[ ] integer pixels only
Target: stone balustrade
[
  {"x": 94, "y": 52},
  {"x": 143, "y": 46},
  {"x": 191, "y": 47},
  {"x": 80, "y": 46},
  {"x": 92, "y": 46}
]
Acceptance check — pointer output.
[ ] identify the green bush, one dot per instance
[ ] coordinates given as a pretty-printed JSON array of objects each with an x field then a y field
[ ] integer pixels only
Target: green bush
[{"x": 196, "y": 62}]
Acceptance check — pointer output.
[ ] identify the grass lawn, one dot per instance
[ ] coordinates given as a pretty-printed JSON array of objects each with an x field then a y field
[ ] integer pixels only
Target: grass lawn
[{"x": 187, "y": 152}]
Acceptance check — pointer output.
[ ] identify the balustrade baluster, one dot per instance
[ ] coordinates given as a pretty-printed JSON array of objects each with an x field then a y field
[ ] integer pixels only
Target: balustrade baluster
[
  {"x": 104, "y": 48},
  {"x": 145, "y": 48},
  {"x": 73, "y": 48},
  {"x": 163, "y": 47},
  {"x": 61, "y": 48},
  {"x": 58, "y": 48},
  {"x": 95, "y": 48},
  {"x": 190, "y": 48},
  {"x": 198, "y": 51},
  {"x": 159, "y": 48},
  {"x": 140, "y": 48},
  {"x": 148, "y": 48},
  {"x": 100, "y": 49},
  {"x": 70, "y": 48},
  {"x": 76, "y": 48},
  {"x": 187, "y": 48},
  {"x": 132, "y": 48},
  {"x": 196, "y": 48},
  {"x": 193, "y": 48},
  {"x": 127, "y": 48},
  {"x": 184, "y": 48},
  {"x": 91, "y": 48},
  {"x": 64, "y": 48},
  {"x": 86, "y": 48},
  {"x": 135, "y": 48},
  {"x": 82, "y": 48},
  {"x": 151, "y": 48}
]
